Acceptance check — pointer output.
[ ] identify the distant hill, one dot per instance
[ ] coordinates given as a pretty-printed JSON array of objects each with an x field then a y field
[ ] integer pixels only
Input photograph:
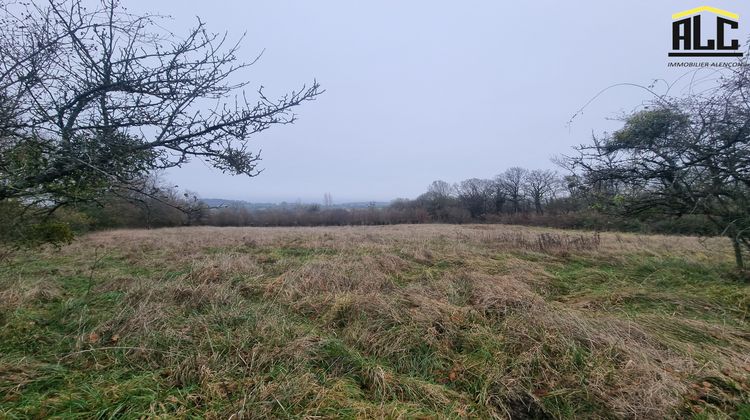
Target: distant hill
[{"x": 220, "y": 202}]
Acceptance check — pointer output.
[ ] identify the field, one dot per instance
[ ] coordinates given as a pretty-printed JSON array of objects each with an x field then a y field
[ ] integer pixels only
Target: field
[{"x": 426, "y": 321}]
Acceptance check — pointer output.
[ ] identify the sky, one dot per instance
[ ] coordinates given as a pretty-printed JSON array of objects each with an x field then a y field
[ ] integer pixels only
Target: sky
[{"x": 421, "y": 90}]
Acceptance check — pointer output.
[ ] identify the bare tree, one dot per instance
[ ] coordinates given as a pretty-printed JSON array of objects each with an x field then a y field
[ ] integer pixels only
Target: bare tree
[
  {"x": 511, "y": 182},
  {"x": 498, "y": 196},
  {"x": 91, "y": 97},
  {"x": 440, "y": 189},
  {"x": 147, "y": 193},
  {"x": 475, "y": 194},
  {"x": 159, "y": 203},
  {"x": 540, "y": 185},
  {"x": 680, "y": 156},
  {"x": 438, "y": 200}
]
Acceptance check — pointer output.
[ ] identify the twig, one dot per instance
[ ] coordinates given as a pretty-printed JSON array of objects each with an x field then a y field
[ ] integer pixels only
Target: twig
[{"x": 97, "y": 260}]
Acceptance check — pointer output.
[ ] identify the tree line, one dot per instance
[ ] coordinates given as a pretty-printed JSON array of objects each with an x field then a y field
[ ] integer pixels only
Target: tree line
[
  {"x": 515, "y": 191},
  {"x": 516, "y": 196}
]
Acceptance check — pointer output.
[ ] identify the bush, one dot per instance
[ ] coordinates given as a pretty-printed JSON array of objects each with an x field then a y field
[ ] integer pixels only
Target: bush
[
  {"x": 29, "y": 226},
  {"x": 49, "y": 232}
]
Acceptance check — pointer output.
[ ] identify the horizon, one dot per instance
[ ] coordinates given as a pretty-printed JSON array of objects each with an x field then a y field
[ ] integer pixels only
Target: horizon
[{"x": 448, "y": 92}]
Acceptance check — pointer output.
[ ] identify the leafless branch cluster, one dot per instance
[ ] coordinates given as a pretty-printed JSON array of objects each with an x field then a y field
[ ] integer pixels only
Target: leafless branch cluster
[
  {"x": 513, "y": 191},
  {"x": 685, "y": 155},
  {"x": 95, "y": 96}
]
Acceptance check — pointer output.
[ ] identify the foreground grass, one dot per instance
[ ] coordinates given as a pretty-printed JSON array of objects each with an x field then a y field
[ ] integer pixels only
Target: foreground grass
[{"x": 406, "y": 321}]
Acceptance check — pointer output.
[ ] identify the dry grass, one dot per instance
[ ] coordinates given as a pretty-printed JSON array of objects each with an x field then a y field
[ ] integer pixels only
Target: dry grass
[{"x": 399, "y": 321}]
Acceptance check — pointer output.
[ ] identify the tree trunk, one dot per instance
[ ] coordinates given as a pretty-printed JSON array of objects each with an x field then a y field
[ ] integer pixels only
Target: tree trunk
[
  {"x": 538, "y": 206},
  {"x": 738, "y": 253}
]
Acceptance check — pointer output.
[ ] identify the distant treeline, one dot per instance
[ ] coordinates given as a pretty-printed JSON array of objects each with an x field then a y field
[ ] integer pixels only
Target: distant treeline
[{"x": 517, "y": 196}]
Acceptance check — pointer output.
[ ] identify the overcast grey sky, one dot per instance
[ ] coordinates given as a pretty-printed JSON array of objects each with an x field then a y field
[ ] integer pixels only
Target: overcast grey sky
[{"x": 425, "y": 90}]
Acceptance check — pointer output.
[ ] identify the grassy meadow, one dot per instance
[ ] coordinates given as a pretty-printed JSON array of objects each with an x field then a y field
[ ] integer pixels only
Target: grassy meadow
[{"x": 414, "y": 321}]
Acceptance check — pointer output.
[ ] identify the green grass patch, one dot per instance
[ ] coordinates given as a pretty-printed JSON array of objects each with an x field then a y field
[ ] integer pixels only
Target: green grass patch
[{"x": 414, "y": 329}]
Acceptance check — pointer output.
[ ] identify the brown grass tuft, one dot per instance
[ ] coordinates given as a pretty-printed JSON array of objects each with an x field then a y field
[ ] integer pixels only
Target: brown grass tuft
[{"x": 428, "y": 321}]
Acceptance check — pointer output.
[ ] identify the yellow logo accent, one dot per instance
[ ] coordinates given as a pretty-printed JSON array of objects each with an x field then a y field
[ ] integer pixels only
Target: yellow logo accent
[{"x": 714, "y": 10}]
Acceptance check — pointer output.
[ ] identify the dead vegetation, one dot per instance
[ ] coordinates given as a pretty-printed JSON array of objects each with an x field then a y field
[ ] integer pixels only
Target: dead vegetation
[{"x": 406, "y": 321}]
